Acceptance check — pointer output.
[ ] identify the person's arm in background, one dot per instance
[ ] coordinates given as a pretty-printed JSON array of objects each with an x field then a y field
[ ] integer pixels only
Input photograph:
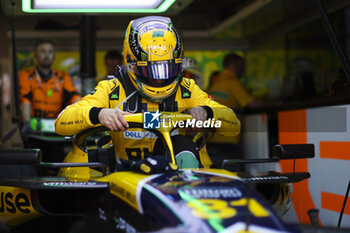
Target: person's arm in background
[
  {"x": 25, "y": 92},
  {"x": 234, "y": 94},
  {"x": 70, "y": 93},
  {"x": 220, "y": 94},
  {"x": 231, "y": 93},
  {"x": 246, "y": 100},
  {"x": 26, "y": 109},
  {"x": 25, "y": 95},
  {"x": 255, "y": 103},
  {"x": 241, "y": 94}
]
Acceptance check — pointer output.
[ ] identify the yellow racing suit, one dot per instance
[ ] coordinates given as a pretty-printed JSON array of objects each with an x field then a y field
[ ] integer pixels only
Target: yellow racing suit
[{"x": 136, "y": 143}]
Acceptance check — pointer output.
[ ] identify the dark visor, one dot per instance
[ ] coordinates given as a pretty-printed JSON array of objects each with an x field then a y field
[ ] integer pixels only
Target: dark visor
[{"x": 157, "y": 70}]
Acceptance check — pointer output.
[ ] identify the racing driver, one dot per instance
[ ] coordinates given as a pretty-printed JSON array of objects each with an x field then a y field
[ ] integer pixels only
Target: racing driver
[{"x": 150, "y": 81}]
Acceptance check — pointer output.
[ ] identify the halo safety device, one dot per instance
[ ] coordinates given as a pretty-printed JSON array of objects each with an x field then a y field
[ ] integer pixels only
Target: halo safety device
[{"x": 153, "y": 56}]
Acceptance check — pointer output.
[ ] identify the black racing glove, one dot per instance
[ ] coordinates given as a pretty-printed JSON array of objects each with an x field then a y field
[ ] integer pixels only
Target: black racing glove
[{"x": 151, "y": 165}]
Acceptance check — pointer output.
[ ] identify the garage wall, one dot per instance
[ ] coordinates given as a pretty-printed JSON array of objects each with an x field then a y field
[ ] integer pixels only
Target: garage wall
[{"x": 328, "y": 128}]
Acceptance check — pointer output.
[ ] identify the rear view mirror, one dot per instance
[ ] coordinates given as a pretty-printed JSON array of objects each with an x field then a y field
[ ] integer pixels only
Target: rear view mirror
[{"x": 294, "y": 151}]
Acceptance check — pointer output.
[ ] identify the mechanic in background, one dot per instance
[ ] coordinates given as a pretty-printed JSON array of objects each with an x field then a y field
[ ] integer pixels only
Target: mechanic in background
[
  {"x": 212, "y": 79},
  {"x": 228, "y": 90},
  {"x": 44, "y": 91},
  {"x": 113, "y": 58},
  {"x": 152, "y": 80}
]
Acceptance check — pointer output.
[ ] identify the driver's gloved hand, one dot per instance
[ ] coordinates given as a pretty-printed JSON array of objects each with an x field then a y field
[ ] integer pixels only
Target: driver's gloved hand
[
  {"x": 27, "y": 129},
  {"x": 152, "y": 165}
]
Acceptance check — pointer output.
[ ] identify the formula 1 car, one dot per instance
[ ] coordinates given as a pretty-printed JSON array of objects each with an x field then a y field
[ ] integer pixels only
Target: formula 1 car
[{"x": 90, "y": 195}]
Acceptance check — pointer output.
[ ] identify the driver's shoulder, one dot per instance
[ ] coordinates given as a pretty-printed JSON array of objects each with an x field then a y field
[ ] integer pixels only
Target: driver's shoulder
[
  {"x": 188, "y": 83},
  {"x": 111, "y": 84}
]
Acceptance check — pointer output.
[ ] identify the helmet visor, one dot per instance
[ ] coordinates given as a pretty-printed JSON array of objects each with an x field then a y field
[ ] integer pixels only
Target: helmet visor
[{"x": 163, "y": 71}]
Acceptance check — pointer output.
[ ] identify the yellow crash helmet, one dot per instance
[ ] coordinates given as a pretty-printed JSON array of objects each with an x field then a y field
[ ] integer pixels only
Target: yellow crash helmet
[{"x": 153, "y": 56}]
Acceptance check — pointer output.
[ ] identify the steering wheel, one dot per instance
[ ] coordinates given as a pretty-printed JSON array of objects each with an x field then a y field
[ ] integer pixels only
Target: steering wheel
[{"x": 168, "y": 124}]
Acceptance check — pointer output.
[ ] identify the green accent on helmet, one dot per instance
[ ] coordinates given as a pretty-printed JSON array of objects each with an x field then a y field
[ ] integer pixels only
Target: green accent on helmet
[
  {"x": 143, "y": 56},
  {"x": 158, "y": 34},
  {"x": 176, "y": 54}
]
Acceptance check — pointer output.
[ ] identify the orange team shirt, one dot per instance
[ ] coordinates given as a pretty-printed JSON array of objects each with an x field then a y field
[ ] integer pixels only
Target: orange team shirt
[{"x": 47, "y": 98}]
